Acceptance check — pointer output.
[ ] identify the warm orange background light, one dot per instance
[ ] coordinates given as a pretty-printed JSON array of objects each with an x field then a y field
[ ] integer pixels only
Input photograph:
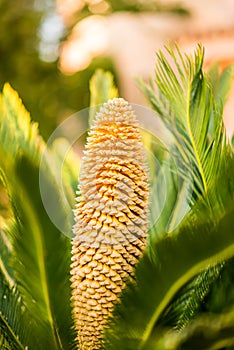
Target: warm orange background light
[{"x": 131, "y": 40}]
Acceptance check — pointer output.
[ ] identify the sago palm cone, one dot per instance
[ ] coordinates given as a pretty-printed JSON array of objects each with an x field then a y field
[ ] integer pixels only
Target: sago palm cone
[{"x": 111, "y": 219}]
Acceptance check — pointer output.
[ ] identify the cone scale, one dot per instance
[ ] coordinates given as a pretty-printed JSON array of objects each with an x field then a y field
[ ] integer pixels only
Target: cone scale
[{"x": 110, "y": 219}]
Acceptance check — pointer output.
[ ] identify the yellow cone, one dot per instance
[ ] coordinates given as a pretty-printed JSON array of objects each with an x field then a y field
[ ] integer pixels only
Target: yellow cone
[{"x": 111, "y": 219}]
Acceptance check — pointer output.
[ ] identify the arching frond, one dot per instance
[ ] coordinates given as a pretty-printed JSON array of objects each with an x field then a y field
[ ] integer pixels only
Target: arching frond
[
  {"x": 16, "y": 325},
  {"x": 40, "y": 253},
  {"x": 191, "y": 110},
  {"x": 179, "y": 257}
]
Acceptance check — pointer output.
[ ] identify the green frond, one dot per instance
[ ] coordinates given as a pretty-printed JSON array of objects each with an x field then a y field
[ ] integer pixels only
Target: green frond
[
  {"x": 190, "y": 299},
  {"x": 166, "y": 201},
  {"x": 209, "y": 331},
  {"x": 185, "y": 101},
  {"x": 191, "y": 222},
  {"x": 102, "y": 89},
  {"x": 16, "y": 325},
  {"x": 220, "y": 82},
  {"x": 191, "y": 105},
  {"x": 41, "y": 259},
  {"x": 4, "y": 345},
  {"x": 66, "y": 167},
  {"x": 19, "y": 135},
  {"x": 17, "y": 132},
  {"x": 195, "y": 244},
  {"x": 6, "y": 253},
  {"x": 186, "y": 304},
  {"x": 40, "y": 252}
]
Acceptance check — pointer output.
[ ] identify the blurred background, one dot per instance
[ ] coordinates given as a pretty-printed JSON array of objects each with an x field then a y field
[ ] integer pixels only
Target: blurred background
[{"x": 49, "y": 49}]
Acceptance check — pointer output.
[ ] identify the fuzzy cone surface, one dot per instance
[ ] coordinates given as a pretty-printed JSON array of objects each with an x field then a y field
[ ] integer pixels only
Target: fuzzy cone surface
[{"x": 111, "y": 219}]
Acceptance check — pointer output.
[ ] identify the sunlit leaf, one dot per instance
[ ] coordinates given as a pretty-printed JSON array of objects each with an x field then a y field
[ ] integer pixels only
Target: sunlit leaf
[
  {"x": 40, "y": 253},
  {"x": 179, "y": 257},
  {"x": 102, "y": 89},
  {"x": 15, "y": 324}
]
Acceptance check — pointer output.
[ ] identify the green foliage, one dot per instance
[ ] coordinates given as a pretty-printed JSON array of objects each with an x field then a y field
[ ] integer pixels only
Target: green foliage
[
  {"x": 6, "y": 251},
  {"x": 211, "y": 332},
  {"x": 40, "y": 254},
  {"x": 185, "y": 102},
  {"x": 47, "y": 93},
  {"x": 197, "y": 243},
  {"x": 190, "y": 298},
  {"x": 171, "y": 304},
  {"x": 221, "y": 83},
  {"x": 191, "y": 104},
  {"x": 101, "y": 90},
  {"x": 176, "y": 277},
  {"x": 35, "y": 255},
  {"x": 16, "y": 326}
]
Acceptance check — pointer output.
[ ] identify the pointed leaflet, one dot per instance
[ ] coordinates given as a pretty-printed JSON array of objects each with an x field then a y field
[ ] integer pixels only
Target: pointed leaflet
[
  {"x": 191, "y": 107},
  {"x": 194, "y": 245},
  {"x": 221, "y": 83},
  {"x": 198, "y": 242},
  {"x": 44, "y": 255},
  {"x": 6, "y": 252},
  {"x": 67, "y": 165},
  {"x": 4, "y": 345},
  {"x": 186, "y": 104},
  {"x": 41, "y": 254},
  {"x": 17, "y": 132},
  {"x": 208, "y": 331},
  {"x": 188, "y": 300},
  {"x": 164, "y": 200},
  {"x": 16, "y": 325},
  {"x": 102, "y": 89},
  {"x": 216, "y": 151}
]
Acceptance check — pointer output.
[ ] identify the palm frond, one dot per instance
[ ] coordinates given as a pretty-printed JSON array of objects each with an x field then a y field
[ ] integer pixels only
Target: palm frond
[
  {"x": 16, "y": 325},
  {"x": 102, "y": 89},
  {"x": 180, "y": 256},
  {"x": 54, "y": 170},
  {"x": 66, "y": 166},
  {"x": 209, "y": 331},
  {"x": 191, "y": 106},
  {"x": 6, "y": 252},
  {"x": 41, "y": 254},
  {"x": 188, "y": 106},
  {"x": 4, "y": 345},
  {"x": 165, "y": 200},
  {"x": 188, "y": 301},
  {"x": 185, "y": 102},
  {"x": 191, "y": 297},
  {"x": 45, "y": 253},
  {"x": 220, "y": 82},
  {"x": 17, "y": 132}
]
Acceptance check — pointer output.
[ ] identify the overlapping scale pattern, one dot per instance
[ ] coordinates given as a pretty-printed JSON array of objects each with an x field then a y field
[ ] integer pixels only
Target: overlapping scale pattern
[{"x": 111, "y": 219}]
